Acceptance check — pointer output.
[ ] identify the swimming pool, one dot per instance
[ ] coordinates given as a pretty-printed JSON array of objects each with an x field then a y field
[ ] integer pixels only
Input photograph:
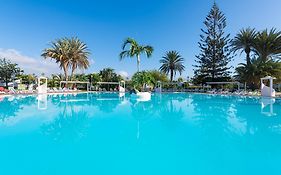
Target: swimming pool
[{"x": 106, "y": 134}]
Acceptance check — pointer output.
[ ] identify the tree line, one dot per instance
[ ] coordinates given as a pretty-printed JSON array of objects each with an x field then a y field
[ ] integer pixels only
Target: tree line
[{"x": 217, "y": 50}]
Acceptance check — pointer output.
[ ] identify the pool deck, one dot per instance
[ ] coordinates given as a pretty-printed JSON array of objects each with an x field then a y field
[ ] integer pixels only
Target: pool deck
[
  {"x": 49, "y": 93},
  {"x": 278, "y": 95}
]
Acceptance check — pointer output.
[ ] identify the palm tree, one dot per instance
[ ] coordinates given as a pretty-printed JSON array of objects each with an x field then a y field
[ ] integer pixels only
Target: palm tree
[
  {"x": 268, "y": 44},
  {"x": 135, "y": 50},
  {"x": 172, "y": 63},
  {"x": 244, "y": 41},
  {"x": 68, "y": 52},
  {"x": 79, "y": 55},
  {"x": 59, "y": 52},
  {"x": 256, "y": 70}
]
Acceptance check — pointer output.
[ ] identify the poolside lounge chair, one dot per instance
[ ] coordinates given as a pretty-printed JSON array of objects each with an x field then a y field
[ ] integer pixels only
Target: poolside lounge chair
[
  {"x": 2, "y": 90},
  {"x": 12, "y": 91},
  {"x": 211, "y": 91},
  {"x": 55, "y": 90},
  {"x": 60, "y": 90},
  {"x": 253, "y": 93},
  {"x": 30, "y": 89},
  {"x": 243, "y": 93},
  {"x": 51, "y": 90},
  {"x": 65, "y": 89},
  {"x": 226, "y": 92}
]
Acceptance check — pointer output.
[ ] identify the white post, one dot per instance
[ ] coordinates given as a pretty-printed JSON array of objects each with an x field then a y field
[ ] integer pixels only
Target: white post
[
  {"x": 121, "y": 88},
  {"x": 42, "y": 89},
  {"x": 267, "y": 90},
  {"x": 271, "y": 85},
  {"x": 158, "y": 87},
  {"x": 13, "y": 77},
  {"x": 261, "y": 83}
]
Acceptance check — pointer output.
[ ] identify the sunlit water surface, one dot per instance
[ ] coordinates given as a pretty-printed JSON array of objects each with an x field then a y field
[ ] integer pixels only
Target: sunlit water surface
[{"x": 105, "y": 134}]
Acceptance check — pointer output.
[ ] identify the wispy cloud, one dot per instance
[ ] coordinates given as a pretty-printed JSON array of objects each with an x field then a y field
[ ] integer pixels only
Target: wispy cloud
[
  {"x": 124, "y": 74},
  {"x": 30, "y": 64}
]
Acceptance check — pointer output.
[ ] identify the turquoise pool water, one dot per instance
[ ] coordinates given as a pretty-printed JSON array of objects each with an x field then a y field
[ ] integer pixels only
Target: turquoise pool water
[{"x": 105, "y": 134}]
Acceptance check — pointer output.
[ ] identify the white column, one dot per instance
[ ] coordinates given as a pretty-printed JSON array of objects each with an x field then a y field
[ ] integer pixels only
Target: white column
[
  {"x": 271, "y": 86},
  {"x": 261, "y": 83}
]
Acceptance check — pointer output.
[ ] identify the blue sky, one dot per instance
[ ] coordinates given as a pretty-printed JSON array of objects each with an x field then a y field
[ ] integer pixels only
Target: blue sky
[{"x": 28, "y": 26}]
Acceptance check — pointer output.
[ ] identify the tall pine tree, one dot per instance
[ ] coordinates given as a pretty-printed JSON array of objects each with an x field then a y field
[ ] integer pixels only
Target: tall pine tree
[{"x": 214, "y": 44}]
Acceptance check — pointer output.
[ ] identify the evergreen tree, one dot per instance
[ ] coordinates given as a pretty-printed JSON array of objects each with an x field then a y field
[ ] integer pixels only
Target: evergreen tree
[
  {"x": 214, "y": 44},
  {"x": 8, "y": 70}
]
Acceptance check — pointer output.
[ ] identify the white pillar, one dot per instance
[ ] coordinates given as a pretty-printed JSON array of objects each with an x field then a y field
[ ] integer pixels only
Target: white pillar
[
  {"x": 261, "y": 83},
  {"x": 42, "y": 89},
  {"x": 271, "y": 86},
  {"x": 125, "y": 86}
]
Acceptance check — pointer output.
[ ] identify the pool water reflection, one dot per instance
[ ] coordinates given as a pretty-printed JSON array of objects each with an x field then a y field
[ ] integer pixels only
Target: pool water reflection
[{"x": 104, "y": 133}]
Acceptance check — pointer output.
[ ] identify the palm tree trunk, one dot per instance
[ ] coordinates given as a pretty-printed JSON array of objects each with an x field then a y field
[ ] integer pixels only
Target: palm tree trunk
[
  {"x": 138, "y": 62},
  {"x": 6, "y": 82},
  {"x": 172, "y": 75},
  {"x": 65, "y": 72},
  {"x": 213, "y": 74},
  {"x": 248, "y": 59},
  {"x": 72, "y": 73}
]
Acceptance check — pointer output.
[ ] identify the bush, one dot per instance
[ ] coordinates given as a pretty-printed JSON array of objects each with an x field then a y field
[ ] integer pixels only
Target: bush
[{"x": 141, "y": 79}]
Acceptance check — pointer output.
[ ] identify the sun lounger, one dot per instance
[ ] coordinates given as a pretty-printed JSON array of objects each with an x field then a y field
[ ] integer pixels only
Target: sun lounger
[
  {"x": 12, "y": 91},
  {"x": 3, "y": 90},
  {"x": 212, "y": 91},
  {"x": 51, "y": 90}
]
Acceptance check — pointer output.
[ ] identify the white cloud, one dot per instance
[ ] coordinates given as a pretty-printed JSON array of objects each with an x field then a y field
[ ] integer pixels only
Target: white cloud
[
  {"x": 29, "y": 64},
  {"x": 124, "y": 74}
]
